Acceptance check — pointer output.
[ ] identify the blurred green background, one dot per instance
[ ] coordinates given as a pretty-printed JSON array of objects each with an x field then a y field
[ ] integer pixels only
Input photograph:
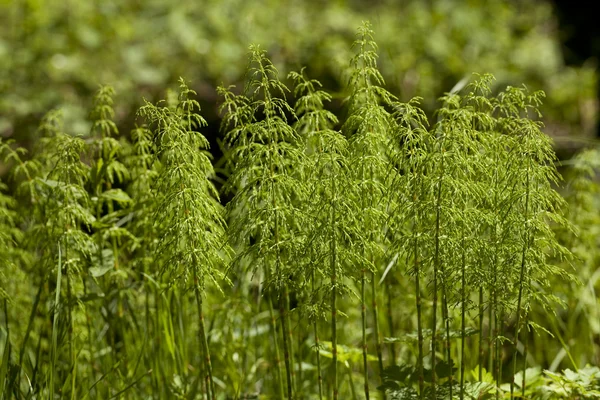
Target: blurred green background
[{"x": 55, "y": 54}]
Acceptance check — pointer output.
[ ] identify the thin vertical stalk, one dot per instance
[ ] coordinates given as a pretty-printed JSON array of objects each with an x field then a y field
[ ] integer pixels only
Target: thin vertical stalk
[
  {"x": 418, "y": 301},
  {"x": 363, "y": 307},
  {"x": 499, "y": 334},
  {"x": 521, "y": 280},
  {"x": 286, "y": 345},
  {"x": 351, "y": 381},
  {"x": 390, "y": 320},
  {"x": 299, "y": 380},
  {"x": 318, "y": 346},
  {"x": 377, "y": 333},
  {"x": 436, "y": 270},
  {"x": 70, "y": 330},
  {"x": 491, "y": 329},
  {"x": 526, "y": 342},
  {"x": 278, "y": 371},
  {"x": 446, "y": 318},
  {"x": 203, "y": 339},
  {"x": 481, "y": 316},
  {"x": 463, "y": 300},
  {"x": 88, "y": 320},
  {"x": 333, "y": 268},
  {"x": 496, "y": 347},
  {"x": 363, "y": 313},
  {"x": 54, "y": 348}
]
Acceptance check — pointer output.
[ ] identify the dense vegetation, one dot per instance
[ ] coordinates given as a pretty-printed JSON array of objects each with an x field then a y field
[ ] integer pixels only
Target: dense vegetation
[{"x": 376, "y": 253}]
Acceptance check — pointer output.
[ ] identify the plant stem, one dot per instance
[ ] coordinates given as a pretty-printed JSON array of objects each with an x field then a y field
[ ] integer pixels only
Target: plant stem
[
  {"x": 333, "y": 271},
  {"x": 203, "y": 339},
  {"x": 481, "y": 316},
  {"x": 436, "y": 269},
  {"x": 351, "y": 381},
  {"x": 521, "y": 280},
  {"x": 418, "y": 301},
  {"x": 491, "y": 330},
  {"x": 286, "y": 344},
  {"x": 363, "y": 313},
  {"x": 276, "y": 348},
  {"x": 377, "y": 335},
  {"x": 318, "y": 346},
  {"x": 463, "y": 300},
  {"x": 54, "y": 349},
  {"x": 446, "y": 318},
  {"x": 499, "y": 334},
  {"x": 300, "y": 378},
  {"x": 523, "y": 383},
  {"x": 70, "y": 328},
  {"x": 390, "y": 320}
]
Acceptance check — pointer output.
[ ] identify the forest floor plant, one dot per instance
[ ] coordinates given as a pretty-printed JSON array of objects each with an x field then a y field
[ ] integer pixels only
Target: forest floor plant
[{"x": 126, "y": 274}]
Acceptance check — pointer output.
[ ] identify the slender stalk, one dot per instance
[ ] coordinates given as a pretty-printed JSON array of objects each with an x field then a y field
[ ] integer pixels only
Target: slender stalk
[
  {"x": 390, "y": 320},
  {"x": 463, "y": 300},
  {"x": 333, "y": 271},
  {"x": 363, "y": 307},
  {"x": 300, "y": 379},
  {"x": 54, "y": 349},
  {"x": 419, "y": 328},
  {"x": 417, "y": 269},
  {"x": 525, "y": 349},
  {"x": 363, "y": 314},
  {"x": 279, "y": 372},
  {"x": 499, "y": 334},
  {"x": 446, "y": 318},
  {"x": 521, "y": 280},
  {"x": 377, "y": 334},
  {"x": 351, "y": 381},
  {"x": 481, "y": 316},
  {"x": 70, "y": 334},
  {"x": 317, "y": 345},
  {"x": 286, "y": 345},
  {"x": 334, "y": 336},
  {"x": 203, "y": 340},
  {"x": 436, "y": 270}
]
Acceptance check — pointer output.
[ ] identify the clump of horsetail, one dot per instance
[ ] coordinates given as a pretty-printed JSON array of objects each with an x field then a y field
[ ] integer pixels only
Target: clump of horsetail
[{"x": 190, "y": 218}]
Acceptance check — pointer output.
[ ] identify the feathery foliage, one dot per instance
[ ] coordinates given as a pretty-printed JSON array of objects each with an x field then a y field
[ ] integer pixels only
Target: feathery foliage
[{"x": 118, "y": 249}]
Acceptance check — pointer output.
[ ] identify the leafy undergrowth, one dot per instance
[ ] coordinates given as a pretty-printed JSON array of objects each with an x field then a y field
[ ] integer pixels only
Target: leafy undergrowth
[{"x": 399, "y": 383}]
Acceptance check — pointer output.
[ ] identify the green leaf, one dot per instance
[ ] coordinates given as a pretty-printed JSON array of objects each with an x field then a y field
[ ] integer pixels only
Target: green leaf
[
  {"x": 116, "y": 195},
  {"x": 102, "y": 264}
]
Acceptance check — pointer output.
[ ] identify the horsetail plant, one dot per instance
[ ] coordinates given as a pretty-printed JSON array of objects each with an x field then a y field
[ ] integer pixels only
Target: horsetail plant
[
  {"x": 478, "y": 108},
  {"x": 68, "y": 211},
  {"x": 189, "y": 218},
  {"x": 538, "y": 204},
  {"x": 110, "y": 204},
  {"x": 463, "y": 213},
  {"x": 368, "y": 129},
  {"x": 264, "y": 151},
  {"x": 453, "y": 157},
  {"x": 106, "y": 172},
  {"x": 327, "y": 174},
  {"x": 411, "y": 138}
]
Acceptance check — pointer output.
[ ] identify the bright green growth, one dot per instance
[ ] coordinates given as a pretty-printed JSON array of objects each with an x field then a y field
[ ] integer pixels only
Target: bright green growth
[
  {"x": 327, "y": 174},
  {"x": 189, "y": 217},
  {"x": 265, "y": 150},
  {"x": 455, "y": 222}
]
